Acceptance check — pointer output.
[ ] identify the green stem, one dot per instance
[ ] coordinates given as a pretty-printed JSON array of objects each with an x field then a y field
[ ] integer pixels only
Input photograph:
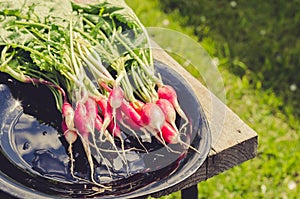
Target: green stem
[
  {"x": 147, "y": 70},
  {"x": 140, "y": 86},
  {"x": 31, "y": 24},
  {"x": 111, "y": 48}
]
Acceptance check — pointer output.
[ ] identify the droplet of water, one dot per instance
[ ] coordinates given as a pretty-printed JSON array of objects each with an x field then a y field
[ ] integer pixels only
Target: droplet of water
[{"x": 26, "y": 146}]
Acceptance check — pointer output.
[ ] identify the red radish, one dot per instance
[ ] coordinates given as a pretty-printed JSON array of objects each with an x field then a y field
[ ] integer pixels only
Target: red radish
[
  {"x": 68, "y": 115},
  {"x": 98, "y": 122},
  {"x": 109, "y": 115},
  {"x": 71, "y": 137},
  {"x": 152, "y": 116},
  {"x": 91, "y": 108},
  {"x": 137, "y": 105},
  {"x": 167, "y": 92},
  {"x": 109, "y": 107},
  {"x": 82, "y": 123},
  {"x": 115, "y": 100},
  {"x": 102, "y": 102},
  {"x": 64, "y": 127},
  {"x": 132, "y": 126},
  {"x": 116, "y": 97},
  {"x": 153, "y": 119},
  {"x": 129, "y": 111},
  {"x": 129, "y": 123},
  {"x": 114, "y": 127},
  {"x": 106, "y": 110},
  {"x": 168, "y": 110},
  {"x": 67, "y": 109},
  {"x": 171, "y": 136},
  {"x": 85, "y": 126}
]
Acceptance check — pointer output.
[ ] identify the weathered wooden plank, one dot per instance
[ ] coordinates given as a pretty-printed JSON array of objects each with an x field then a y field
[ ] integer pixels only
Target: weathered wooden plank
[
  {"x": 216, "y": 164},
  {"x": 234, "y": 142}
]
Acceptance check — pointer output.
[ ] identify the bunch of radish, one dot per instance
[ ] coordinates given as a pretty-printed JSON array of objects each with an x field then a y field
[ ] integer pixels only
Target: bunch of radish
[
  {"x": 106, "y": 114},
  {"x": 104, "y": 81}
]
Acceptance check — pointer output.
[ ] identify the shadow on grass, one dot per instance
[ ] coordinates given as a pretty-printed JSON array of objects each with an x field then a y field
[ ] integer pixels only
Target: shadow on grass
[{"x": 257, "y": 38}]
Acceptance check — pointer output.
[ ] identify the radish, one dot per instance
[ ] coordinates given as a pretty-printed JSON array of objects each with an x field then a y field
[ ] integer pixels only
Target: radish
[
  {"x": 109, "y": 114},
  {"x": 91, "y": 108},
  {"x": 81, "y": 120},
  {"x": 171, "y": 136},
  {"x": 98, "y": 122},
  {"x": 152, "y": 116},
  {"x": 153, "y": 119},
  {"x": 71, "y": 137},
  {"x": 109, "y": 107},
  {"x": 137, "y": 105},
  {"x": 115, "y": 130},
  {"x": 168, "y": 110},
  {"x": 131, "y": 124},
  {"x": 83, "y": 125},
  {"x": 116, "y": 97},
  {"x": 106, "y": 110},
  {"x": 167, "y": 92},
  {"x": 132, "y": 120},
  {"x": 68, "y": 115},
  {"x": 115, "y": 100},
  {"x": 129, "y": 111}
]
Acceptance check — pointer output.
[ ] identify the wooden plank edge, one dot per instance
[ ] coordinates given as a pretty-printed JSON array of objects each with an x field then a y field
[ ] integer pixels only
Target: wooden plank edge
[{"x": 216, "y": 164}]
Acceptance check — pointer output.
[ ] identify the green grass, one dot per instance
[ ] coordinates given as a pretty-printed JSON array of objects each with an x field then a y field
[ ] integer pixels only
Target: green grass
[
  {"x": 260, "y": 36},
  {"x": 275, "y": 172}
]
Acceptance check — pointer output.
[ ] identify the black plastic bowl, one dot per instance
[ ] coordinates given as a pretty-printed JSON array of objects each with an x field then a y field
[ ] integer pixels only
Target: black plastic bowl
[{"x": 43, "y": 172}]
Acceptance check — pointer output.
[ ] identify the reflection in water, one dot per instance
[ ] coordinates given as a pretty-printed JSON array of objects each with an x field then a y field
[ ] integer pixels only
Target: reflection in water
[
  {"x": 47, "y": 163},
  {"x": 30, "y": 135},
  {"x": 39, "y": 145}
]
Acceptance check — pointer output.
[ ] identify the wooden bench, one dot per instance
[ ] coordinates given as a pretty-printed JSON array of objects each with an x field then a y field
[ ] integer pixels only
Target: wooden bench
[{"x": 233, "y": 141}]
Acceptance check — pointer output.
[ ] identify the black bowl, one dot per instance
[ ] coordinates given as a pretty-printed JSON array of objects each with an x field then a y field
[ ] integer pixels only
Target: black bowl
[{"x": 34, "y": 156}]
